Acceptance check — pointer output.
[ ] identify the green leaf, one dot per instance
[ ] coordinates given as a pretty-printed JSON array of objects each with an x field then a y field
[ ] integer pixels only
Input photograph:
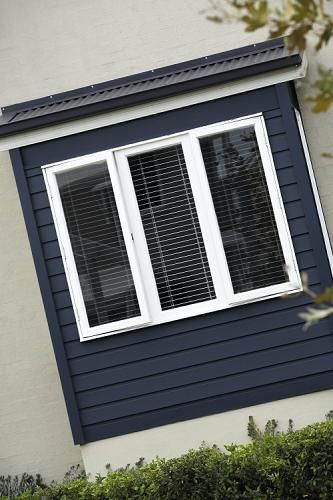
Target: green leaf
[
  {"x": 325, "y": 35},
  {"x": 215, "y": 19},
  {"x": 325, "y": 297},
  {"x": 323, "y": 99},
  {"x": 257, "y": 15}
]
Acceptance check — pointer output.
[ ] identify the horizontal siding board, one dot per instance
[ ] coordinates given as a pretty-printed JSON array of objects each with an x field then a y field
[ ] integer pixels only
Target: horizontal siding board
[
  {"x": 205, "y": 340},
  {"x": 274, "y": 125},
  {"x": 305, "y": 260},
  {"x": 298, "y": 227},
  {"x": 210, "y": 406},
  {"x": 278, "y": 143},
  {"x": 47, "y": 233},
  {"x": 185, "y": 326},
  {"x": 272, "y": 113},
  {"x": 36, "y": 183},
  {"x": 155, "y": 366},
  {"x": 70, "y": 332},
  {"x": 32, "y": 172},
  {"x": 294, "y": 209},
  {"x": 51, "y": 250},
  {"x": 200, "y": 365},
  {"x": 286, "y": 176},
  {"x": 202, "y": 337},
  {"x": 234, "y": 314},
  {"x": 282, "y": 159},
  {"x": 66, "y": 316},
  {"x": 290, "y": 193},
  {"x": 62, "y": 300},
  {"x": 43, "y": 217},
  {"x": 302, "y": 243},
  {"x": 312, "y": 274},
  {"x": 55, "y": 266},
  {"x": 40, "y": 200},
  {"x": 202, "y": 390},
  {"x": 58, "y": 283},
  {"x": 238, "y": 360}
]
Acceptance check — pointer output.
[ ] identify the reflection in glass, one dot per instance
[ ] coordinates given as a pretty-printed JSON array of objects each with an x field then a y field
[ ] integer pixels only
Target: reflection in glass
[
  {"x": 244, "y": 210},
  {"x": 98, "y": 244},
  {"x": 171, "y": 226}
]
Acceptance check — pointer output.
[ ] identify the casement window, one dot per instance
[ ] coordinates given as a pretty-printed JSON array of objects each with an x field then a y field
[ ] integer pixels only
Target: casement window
[{"x": 172, "y": 228}]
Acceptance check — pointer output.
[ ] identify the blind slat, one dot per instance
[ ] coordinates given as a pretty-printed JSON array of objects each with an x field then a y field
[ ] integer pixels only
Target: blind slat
[
  {"x": 171, "y": 226},
  {"x": 99, "y": 248}
]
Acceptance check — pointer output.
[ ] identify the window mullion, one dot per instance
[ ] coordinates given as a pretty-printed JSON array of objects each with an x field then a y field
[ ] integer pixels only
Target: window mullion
[
  {"x": 129, "y": 240},
  {"x": 137, "y": 231},
  {"x": 208, "y": 220}
]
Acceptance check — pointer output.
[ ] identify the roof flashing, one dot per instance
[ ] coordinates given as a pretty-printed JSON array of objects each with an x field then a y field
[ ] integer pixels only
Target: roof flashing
[{"x": 222, "y": 68}]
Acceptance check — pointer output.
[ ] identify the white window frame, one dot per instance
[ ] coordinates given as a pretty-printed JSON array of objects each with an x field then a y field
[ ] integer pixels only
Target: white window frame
[
  {"x": 294, "y": 283},
  {"x": 134, "y": 236},
  {"x": 85, "y": 330}
]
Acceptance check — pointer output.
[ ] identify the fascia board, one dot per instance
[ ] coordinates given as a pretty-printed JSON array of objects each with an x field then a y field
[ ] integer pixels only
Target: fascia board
[{"x": 151, "y": 108}]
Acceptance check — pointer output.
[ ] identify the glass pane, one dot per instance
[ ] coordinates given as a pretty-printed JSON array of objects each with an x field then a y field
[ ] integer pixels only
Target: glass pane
[
  {"x": 171, "y": 226},
  {"x": 98, "y": 244},
  {"x": 244, "y": 210}
]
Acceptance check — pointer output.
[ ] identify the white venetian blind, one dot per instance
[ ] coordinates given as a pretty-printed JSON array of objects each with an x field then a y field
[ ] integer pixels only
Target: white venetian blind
[
  {"x": 171, "y": 227},
  {"x": 98, "y": 245},
  {"x": 244, "y": 210}
]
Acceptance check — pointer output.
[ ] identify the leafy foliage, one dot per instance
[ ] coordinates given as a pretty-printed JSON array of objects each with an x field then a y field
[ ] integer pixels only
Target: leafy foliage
[
  {"x": 323, "y": 304},
  {"x": 290, "y": 466},
  {"x": 295, "y": 20},
  {"x": 324, "y": 85},
  {"x": 13, "y": 486},
  {"x": 271, "y": 427}
]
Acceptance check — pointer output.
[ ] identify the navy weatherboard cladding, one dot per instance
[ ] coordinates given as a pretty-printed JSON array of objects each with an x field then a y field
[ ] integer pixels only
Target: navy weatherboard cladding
[{"x": 189, "y": 368}]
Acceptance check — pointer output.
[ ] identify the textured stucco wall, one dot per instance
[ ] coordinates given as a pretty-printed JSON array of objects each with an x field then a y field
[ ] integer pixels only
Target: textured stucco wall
[
  {"x": 49, "y": 46},
  {"x": 319, "y": 132},
  {"x": 34, "y": 429}
]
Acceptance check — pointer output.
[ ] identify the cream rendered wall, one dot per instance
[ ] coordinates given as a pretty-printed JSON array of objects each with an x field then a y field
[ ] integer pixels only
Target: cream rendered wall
[
  {"x": 34, "y": 428},
  {"x": 49, "y": 46},
  {"x": 222, "y": 429}
]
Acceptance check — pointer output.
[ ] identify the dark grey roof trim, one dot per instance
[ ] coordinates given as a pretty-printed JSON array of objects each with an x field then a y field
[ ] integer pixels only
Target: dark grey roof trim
[{"x": 170, "y": 80}]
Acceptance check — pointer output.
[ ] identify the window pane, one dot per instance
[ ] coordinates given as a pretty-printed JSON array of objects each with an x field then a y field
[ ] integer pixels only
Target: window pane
[
  {"x": 98, "y": 244},
  {"x": 244, "y": 210},
  {"x": 171, "y": 227}
]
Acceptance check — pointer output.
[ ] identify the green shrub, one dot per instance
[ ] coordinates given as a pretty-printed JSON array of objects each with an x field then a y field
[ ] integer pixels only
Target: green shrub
[
  {"x": 291, "y": 466},
  {"x": 13, "y": 486}
]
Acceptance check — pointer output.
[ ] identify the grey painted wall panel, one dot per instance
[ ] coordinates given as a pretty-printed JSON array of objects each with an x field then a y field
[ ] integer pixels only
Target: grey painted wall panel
[{"x": 203, "y": 365}]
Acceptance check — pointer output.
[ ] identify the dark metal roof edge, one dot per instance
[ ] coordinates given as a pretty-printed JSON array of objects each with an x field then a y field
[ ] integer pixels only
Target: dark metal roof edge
[
  {"x": 130, "y": 100},
  {"x": 146, "y": 75},
  {"x": 60, "y": 116}
]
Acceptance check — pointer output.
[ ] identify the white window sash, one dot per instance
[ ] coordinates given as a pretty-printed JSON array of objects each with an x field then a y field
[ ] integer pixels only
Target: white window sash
[
  {"x": 294, "y": 282},
  {"x": 85, "y": 330},
  {"x": 158, "y": 315}
]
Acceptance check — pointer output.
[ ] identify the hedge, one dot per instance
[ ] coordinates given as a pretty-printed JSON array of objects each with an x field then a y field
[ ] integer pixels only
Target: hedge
[{"x": 291, "y": 466}]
